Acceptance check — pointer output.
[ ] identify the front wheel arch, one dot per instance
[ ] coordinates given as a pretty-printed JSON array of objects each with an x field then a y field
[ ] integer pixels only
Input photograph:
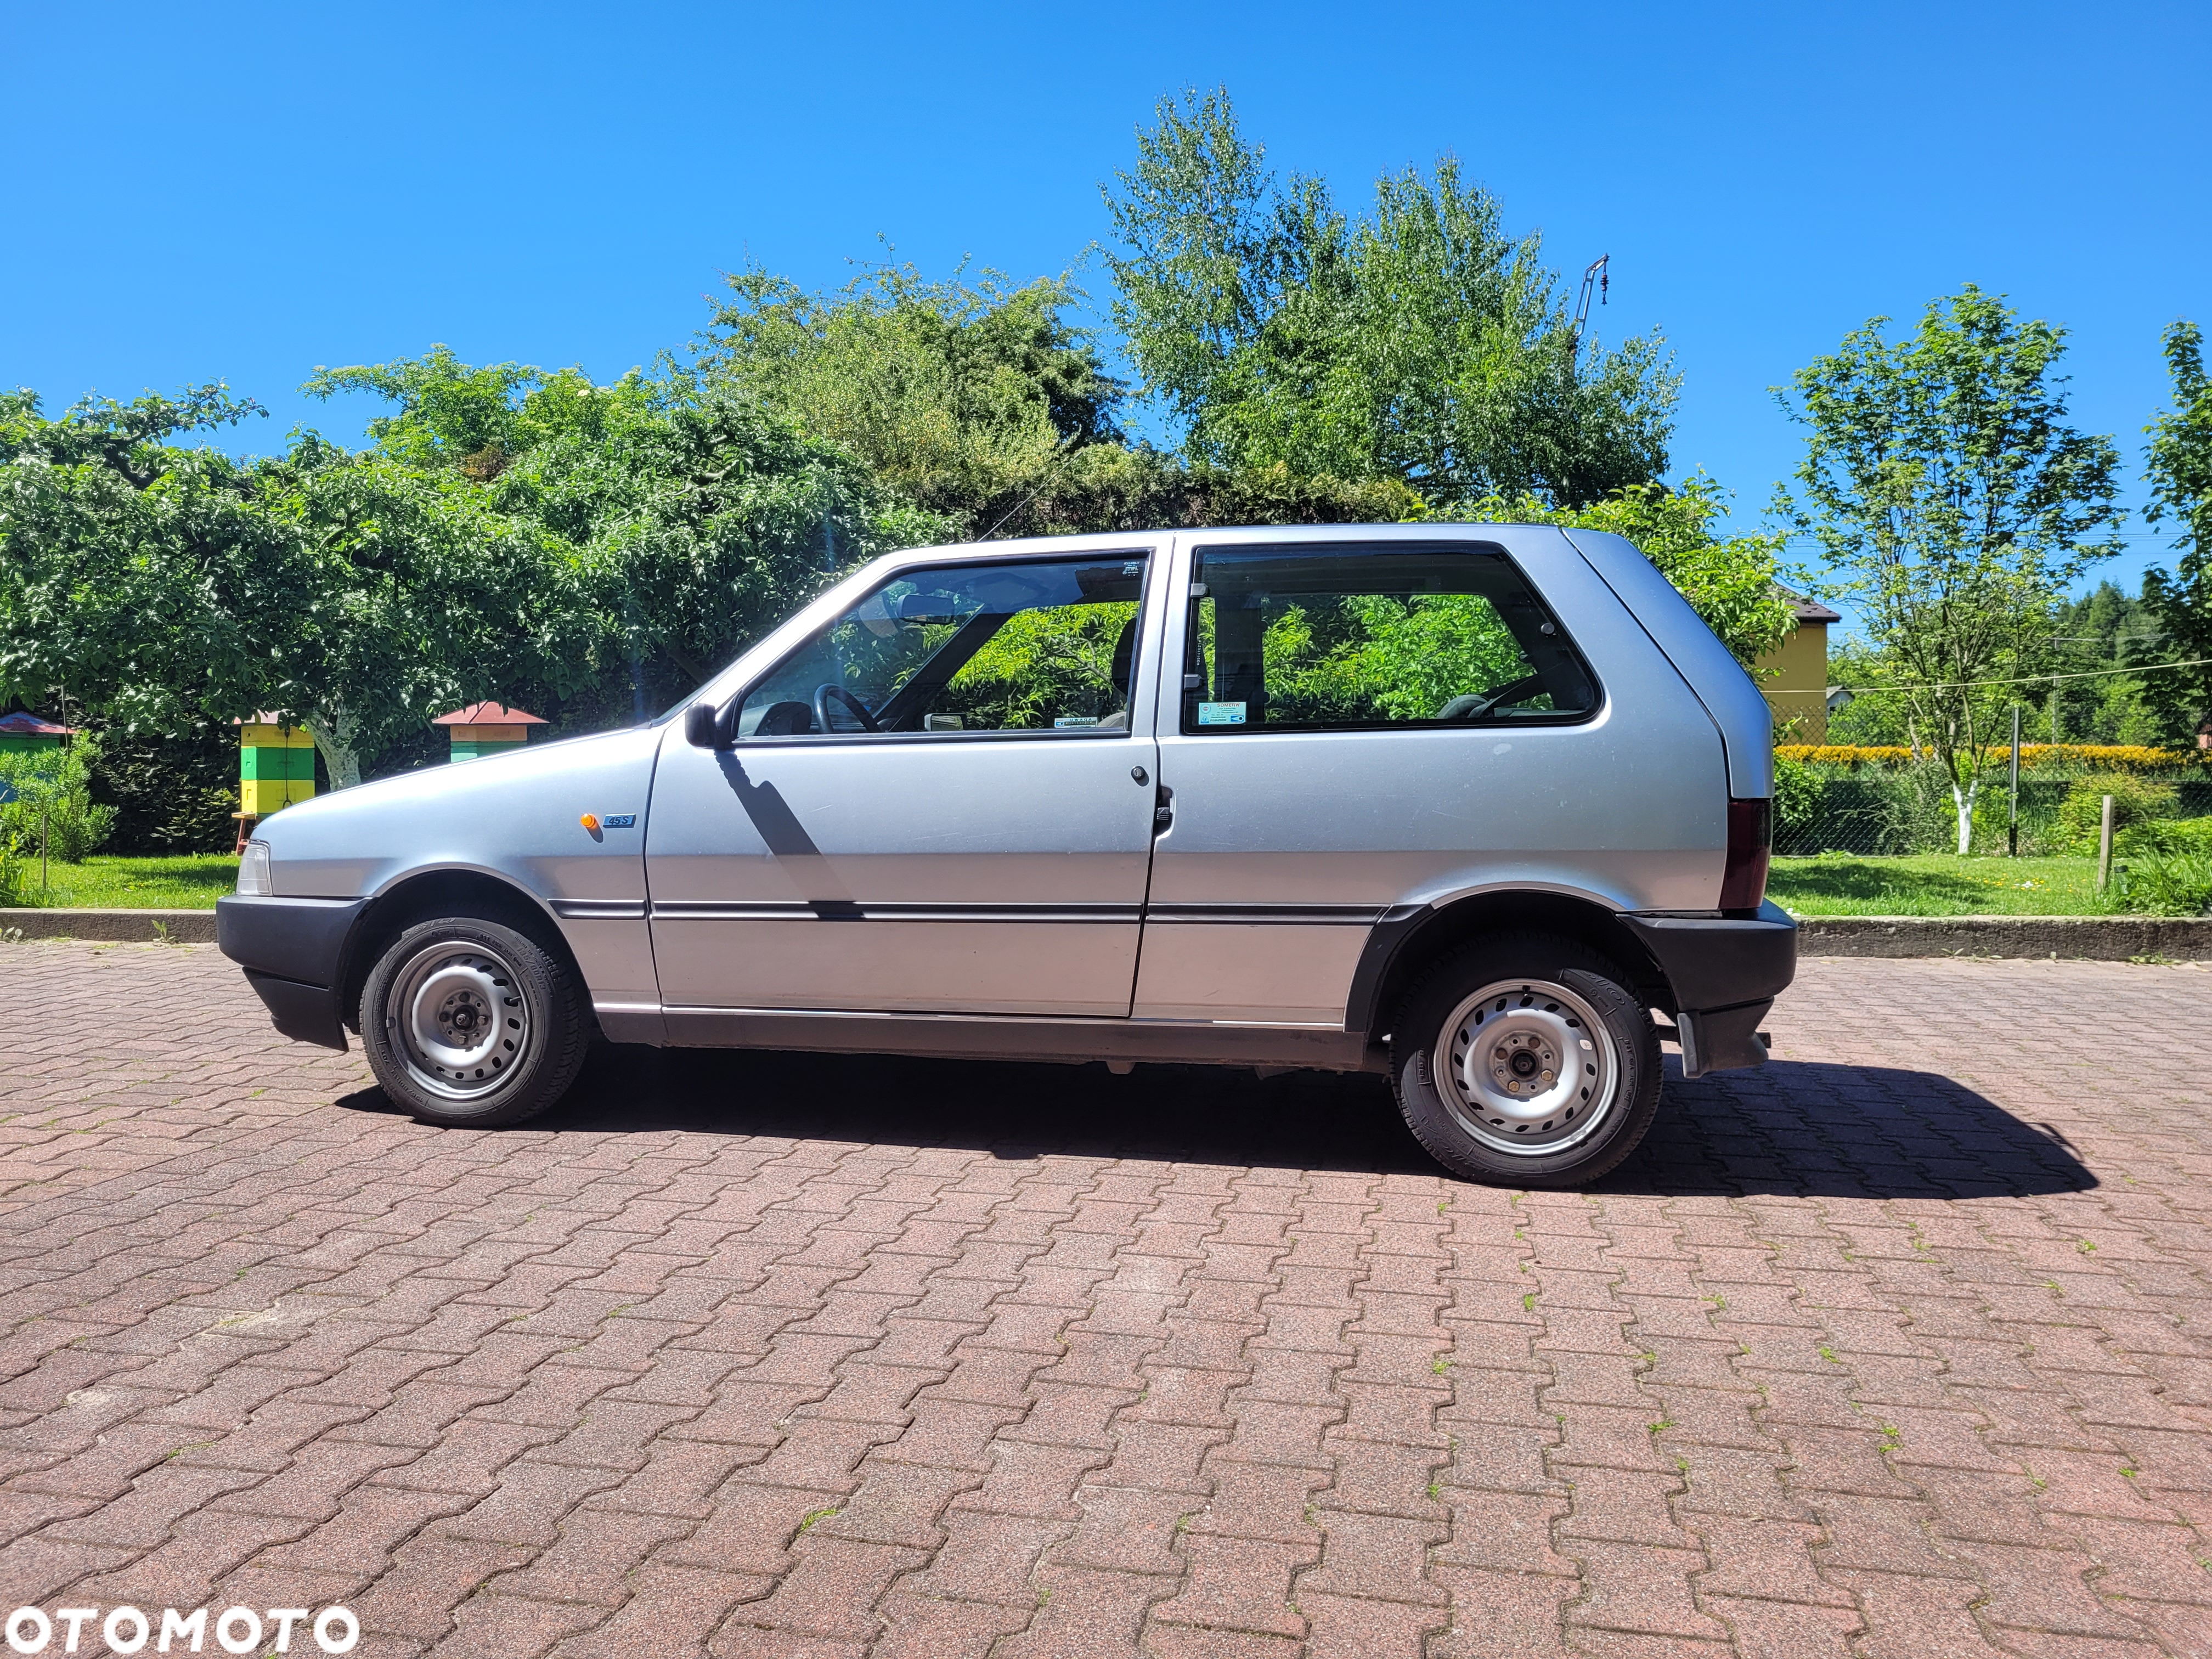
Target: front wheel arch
[{"x": 433, "y": 893}]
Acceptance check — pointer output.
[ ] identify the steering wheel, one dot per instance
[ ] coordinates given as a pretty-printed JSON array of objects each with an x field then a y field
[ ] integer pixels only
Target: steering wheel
[
  {"x": 829, "y": 691},
  {"x": 1473, "y": 708}
]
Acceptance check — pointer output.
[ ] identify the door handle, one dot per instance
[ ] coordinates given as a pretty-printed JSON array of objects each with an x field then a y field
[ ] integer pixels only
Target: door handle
[{"x": 1163, "y": 810}]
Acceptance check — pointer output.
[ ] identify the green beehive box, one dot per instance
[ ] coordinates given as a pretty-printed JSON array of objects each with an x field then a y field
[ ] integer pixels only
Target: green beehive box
[
  {"x": 21, "y": 734},
  {"x": 486, "y": 728},
  {"x": 291, "y": 763}
]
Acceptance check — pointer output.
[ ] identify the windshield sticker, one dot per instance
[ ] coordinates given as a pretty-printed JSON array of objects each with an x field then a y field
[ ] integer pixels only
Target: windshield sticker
[{"x": 1221, "y": 714}]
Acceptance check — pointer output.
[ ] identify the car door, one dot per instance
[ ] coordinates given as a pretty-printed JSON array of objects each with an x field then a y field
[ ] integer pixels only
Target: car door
[
  {"x": 1380, "y": 717},
  {"x": 941, "y": 802}
]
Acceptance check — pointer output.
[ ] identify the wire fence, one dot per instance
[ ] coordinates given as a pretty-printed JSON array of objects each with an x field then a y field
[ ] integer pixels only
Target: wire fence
[{"x": 1888, "y": 802}]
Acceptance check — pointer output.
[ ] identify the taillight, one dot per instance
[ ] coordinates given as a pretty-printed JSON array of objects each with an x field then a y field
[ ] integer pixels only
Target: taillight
[{"x": 1750, "y": 844}]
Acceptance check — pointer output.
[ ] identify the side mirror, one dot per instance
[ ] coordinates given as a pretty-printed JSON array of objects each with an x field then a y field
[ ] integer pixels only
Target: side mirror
[{"x": 702, "y": 727}]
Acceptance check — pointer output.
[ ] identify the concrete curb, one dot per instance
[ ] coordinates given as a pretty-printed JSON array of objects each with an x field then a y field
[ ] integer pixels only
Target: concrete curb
[
  {"x": 2093, "y": 938},
  {"x": 126, "y": 926}
]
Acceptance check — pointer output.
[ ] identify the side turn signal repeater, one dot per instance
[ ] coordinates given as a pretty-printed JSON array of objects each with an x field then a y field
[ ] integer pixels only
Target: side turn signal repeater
[{"x": 591, "y": 823}]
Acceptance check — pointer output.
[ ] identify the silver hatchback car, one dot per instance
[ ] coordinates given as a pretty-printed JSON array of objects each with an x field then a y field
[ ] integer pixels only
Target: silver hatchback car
[{"x": 1461, "y": 804}]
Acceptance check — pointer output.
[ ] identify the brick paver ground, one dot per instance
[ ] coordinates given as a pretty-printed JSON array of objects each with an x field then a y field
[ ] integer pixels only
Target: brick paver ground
[{"x": 1898, "y": 1348}]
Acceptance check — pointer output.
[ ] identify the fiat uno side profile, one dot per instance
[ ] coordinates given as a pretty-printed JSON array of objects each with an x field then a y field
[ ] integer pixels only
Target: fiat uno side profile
[{"x": 1463, "y": 804}]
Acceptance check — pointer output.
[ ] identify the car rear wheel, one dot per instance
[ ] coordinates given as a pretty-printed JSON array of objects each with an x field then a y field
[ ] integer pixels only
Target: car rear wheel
[
  {"x": 471, "y": 1023},
  {"x": 1525, "y": 1061}
]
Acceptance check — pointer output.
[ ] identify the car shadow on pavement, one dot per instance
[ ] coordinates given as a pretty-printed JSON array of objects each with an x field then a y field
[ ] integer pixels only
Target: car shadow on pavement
[{"x": 1790, "y": 1126}]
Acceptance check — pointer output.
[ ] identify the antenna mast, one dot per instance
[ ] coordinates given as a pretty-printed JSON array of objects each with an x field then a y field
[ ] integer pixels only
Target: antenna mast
[{"x": 1600, "y": 277}]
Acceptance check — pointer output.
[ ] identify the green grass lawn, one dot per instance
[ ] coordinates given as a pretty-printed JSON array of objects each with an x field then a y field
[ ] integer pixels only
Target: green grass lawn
[
  {"x": 102, "y": 883},
  {"x": 1934, "y": 884}
]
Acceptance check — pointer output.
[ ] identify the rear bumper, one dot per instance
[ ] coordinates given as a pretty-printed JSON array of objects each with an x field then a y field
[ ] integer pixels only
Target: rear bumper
[
  {"x": 293, "y": 950},
  {"x": 1725, "y": 973}
]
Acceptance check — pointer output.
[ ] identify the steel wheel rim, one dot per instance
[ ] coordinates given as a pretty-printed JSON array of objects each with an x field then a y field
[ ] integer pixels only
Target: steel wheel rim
[
  {"x": 459, "y": 1018},
  {"x": 1526, "y": 1067}
]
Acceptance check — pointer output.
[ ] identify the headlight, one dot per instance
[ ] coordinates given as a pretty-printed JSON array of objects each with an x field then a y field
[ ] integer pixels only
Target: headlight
[{"x": 253, "y": 871}]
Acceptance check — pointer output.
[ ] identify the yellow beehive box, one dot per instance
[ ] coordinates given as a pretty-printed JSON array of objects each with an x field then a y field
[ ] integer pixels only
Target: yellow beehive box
[
  {"x": 259, "y": 797},
  {"x": 257, "y": 733},
  {"x": 276, "y": 764}
]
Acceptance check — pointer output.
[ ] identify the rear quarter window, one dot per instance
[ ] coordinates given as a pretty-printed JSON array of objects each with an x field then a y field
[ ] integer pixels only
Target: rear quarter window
[{"x": 1368, "y": 637}]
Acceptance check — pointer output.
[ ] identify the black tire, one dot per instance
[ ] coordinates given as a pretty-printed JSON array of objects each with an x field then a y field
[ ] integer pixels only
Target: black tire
[
  {"x": 455, "y": 978},
  {"x": 1536, "y": 990}
]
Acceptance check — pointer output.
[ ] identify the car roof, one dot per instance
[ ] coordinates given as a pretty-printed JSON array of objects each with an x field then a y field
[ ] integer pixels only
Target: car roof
[{"x": 1109, "y": 540}]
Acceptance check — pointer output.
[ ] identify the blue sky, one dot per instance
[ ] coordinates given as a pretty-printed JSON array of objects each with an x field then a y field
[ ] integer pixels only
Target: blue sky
[{"x": 246, "y": 193}]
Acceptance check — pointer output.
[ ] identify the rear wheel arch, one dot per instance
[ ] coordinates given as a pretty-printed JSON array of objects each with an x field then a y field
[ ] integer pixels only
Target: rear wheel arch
[
  {"x": 430, "y": 894},
  {"x": 1402, "y": 948},
  {"x": 1523, "y": 1058}
]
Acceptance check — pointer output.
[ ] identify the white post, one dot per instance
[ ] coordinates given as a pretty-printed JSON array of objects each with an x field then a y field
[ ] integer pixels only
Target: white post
[{"x": 2105, "y": 847}]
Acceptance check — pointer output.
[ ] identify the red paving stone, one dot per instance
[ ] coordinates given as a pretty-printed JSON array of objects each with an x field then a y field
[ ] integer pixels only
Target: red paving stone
[{"x": 1898, "y": 1348}]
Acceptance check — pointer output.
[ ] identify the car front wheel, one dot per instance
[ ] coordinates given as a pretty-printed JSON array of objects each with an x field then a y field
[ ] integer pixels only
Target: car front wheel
[
  {"x": 1525, "y": 1061},
  {"x": 471, "y": 1023}
]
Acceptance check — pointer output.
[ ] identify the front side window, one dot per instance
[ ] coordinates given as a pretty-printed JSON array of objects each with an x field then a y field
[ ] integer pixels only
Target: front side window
[
  {"x": 1316, "y": 639},
  {"x": 1047, "y": 645}
]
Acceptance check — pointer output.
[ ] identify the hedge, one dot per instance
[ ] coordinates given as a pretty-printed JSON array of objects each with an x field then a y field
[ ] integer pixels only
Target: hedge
[{"x": 2080, "y": 756}]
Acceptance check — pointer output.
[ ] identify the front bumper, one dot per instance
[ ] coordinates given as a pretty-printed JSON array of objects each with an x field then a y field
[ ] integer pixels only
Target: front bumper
[
  {"x": 294, "y": 951},
  {"x": 1725, "y": 972}
]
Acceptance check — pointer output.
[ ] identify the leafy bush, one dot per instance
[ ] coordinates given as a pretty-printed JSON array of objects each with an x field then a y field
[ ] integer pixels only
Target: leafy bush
[
  {"x": 2100, "y": 756},
  {"x": 173, "y": 792},
  {"x": 2135, "y": 800},
  {"x": 2165, "y": 837},
  {"x": 1797, "y": 794},
  {"x": 2165, "y": 884},
  {"x": 1874, "y": 810},
  {"x": 2164, "y": 867},
  {"x": 53, "y": 809},
  {"x": 11, "y": 868}
]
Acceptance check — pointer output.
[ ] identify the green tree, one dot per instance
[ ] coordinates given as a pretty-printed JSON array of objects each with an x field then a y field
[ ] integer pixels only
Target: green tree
[
  {"x": 1954, "y": 504},
  {"x": 1420, "y": 343},
  {"x": 513, "y": 533},
  {"x": 451, "y": 414},
  {"x": 162, "y": 584},
  {"x": 1730, "y": 580},
  {"x": 136, "y": 577},
  {"x": 2180, "y": 476},
  {"x": 2103, "y": 631},
  {"x": 673, "y": 517},
  {"x": 960, "y": 397}
]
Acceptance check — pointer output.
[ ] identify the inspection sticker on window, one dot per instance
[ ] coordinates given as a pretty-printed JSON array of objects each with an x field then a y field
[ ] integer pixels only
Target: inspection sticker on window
[
  {"x": 1074, "y": 722},
  {"x": 1221, "y": 714}
]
